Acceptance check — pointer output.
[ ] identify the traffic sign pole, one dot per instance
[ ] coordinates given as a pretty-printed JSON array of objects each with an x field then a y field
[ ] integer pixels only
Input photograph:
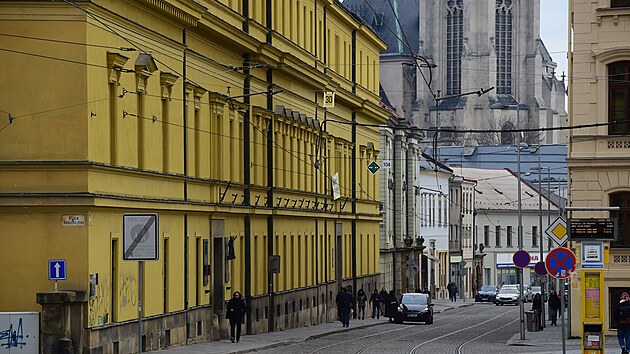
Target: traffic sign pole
[{"x": 140, "y": 266}]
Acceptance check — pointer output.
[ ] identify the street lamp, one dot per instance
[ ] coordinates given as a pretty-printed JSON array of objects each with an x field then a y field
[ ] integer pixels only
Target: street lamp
[
  {"x": 520, "y": 227},
  {"x": 499, "y": 105},
  {"x": 539, "y": 169}
]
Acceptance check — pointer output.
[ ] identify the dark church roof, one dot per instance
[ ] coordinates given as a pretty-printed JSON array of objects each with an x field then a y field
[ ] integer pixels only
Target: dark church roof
[{"x": 379, "y": 15}]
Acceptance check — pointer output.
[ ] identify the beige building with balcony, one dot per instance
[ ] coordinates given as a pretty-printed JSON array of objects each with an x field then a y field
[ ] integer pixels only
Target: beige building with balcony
[{"x": 599, "y": 156}]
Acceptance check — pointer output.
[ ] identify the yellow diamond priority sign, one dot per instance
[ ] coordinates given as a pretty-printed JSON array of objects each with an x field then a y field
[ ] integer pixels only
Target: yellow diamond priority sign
[{"x": 557, "y": 231}]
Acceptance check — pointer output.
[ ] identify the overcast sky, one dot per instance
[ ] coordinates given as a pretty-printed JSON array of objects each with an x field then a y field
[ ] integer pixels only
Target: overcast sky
[{"x": 553, "y": 31}]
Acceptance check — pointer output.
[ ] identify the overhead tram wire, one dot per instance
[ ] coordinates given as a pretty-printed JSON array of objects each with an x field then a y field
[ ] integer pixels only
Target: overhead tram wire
[
  {"x": 127, "y": 40},
  {"x": 66, "y": 42},
  {"x": 274, "y": 66},
  {"x": 415, "y": 56}
]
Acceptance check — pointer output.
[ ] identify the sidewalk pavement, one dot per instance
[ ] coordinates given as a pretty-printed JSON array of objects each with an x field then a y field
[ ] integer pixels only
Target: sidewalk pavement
[
  {"x": 262, "y": 341},
  {"x": 549, "y": 341}
]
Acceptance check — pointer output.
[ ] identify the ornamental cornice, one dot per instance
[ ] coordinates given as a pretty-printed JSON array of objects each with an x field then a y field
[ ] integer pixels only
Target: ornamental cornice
[{"x": 181, "y": 15}]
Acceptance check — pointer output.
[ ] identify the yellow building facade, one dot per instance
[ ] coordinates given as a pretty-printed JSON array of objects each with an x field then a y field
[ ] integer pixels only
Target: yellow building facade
[
  {"x": 210, "y": 114},
  {"x": 599, "y": 155}
]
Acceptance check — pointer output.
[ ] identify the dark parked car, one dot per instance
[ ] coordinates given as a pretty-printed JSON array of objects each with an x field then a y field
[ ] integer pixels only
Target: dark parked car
[
  {"x": 415, "y": 307},
  {"x": 486, "y": 293}
]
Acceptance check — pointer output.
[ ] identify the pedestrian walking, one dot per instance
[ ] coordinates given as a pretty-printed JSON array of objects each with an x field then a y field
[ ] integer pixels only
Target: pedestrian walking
[
  {"x": 391, "y": 305},
  {"x": 375, "y": 301},
  {"x": 623, "y": 322},
  {"x": 236, "y": 310},
  {"x": 384, "y": 297},
  {"x": 361, "y": 302},
  {"x": 537, "y": 308},
  {"x": 345, "y": 303},
  {"x": 337, "y": 300},
  {"x": 554, "y": 306},
  {"x": 452, "y": 291}
]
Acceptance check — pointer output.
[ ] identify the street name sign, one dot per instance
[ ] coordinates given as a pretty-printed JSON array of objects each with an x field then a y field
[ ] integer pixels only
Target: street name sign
[
  {"x": 140, "y": 237},
  {"x": 57, "y": 269},
  {"x": 560, "y": 263},
  {"x": 557, "y": 231},
  {"x": 521, "y": 259}
]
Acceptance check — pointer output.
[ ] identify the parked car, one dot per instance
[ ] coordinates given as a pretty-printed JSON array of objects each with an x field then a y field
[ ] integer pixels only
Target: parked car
[
  {"x": 528, "y": 295},
  {"x": 508, "y": 294},
  {"x": 537, "y": 290},
  {"x": 486, "y": 293},
  {"x": 415, "y": 307}
]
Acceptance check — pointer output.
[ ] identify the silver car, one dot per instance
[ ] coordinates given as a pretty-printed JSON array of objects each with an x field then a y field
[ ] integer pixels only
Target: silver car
[
  {"x": 527, "y": 293},
  {"x": 507, "y": 295}
]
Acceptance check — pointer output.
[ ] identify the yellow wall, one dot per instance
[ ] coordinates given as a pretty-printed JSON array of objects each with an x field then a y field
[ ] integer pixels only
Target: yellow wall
[
  {"x": 598, "y": 162},
  {"x": 101, "y": 137}
]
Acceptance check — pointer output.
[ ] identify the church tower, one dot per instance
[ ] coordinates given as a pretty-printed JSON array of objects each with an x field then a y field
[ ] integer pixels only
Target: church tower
[{"x": 471, "y": 45}]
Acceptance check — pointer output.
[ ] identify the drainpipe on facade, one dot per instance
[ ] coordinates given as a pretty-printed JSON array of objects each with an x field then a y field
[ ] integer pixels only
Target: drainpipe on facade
[
  {"x": 185, "y": 133},
  {"x": 270, "y": 177},
  {"x": 354, "y": 171},
  {"x": 247, "y": 191}
]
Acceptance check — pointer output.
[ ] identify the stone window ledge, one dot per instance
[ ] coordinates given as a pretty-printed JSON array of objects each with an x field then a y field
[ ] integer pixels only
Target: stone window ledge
[{"x": 613, "y": 12}]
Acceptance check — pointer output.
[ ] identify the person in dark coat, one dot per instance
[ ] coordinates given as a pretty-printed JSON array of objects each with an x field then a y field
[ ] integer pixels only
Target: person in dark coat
[
  {"x": 391, "y": 306},
  {"x": 554, "y": 306},
  {"x": 375, "y": 301},
  {"x": 236, "y": 310},
  {"x": 361, "y": 302},
  {"x": 623, "y": 322},
  {"x": 337, "y": 300},
  {"x": 384, "y": 297},
  {"x": 537, "y": 307},
  {"x": 452, "y": 291},
  {"x": 344, "y": 304}
]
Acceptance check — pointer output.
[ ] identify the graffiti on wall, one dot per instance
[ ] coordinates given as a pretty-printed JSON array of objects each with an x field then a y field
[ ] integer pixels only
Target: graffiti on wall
[
  {"x": 19, "y": 332},
  {"x": 13, "y": 337},
  {"x": 99, "y": 305},
  {"x": 128, "y": 293}
]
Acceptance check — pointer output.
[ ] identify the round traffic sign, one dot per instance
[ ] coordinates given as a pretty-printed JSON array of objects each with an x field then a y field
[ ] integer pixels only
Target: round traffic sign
[
  {"x": 560, "y": 262},
  {"x": 540, "y": 268},
  {"x": 521, "y": 259}
]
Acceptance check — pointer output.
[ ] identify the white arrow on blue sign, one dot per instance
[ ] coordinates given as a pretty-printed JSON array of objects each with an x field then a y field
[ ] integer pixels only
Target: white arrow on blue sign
[{"x": 57, "y": 269}]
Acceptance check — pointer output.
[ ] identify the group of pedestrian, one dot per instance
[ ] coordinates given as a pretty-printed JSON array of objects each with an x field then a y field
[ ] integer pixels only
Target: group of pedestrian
[
  {"x": 554, "y": 306},
  {"x": 236, "y": 310},
  {"x": 345, "y": 304},
  {"x": 452, "y": 291}
]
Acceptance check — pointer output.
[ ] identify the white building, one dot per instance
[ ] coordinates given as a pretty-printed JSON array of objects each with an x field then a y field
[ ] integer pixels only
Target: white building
[
  {"x": 432, "y": 195},
  {"x": 496, "y": 223}
]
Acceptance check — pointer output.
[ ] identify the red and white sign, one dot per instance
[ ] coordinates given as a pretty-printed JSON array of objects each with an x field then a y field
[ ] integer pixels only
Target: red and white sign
[{"x": 560, "y": 263}]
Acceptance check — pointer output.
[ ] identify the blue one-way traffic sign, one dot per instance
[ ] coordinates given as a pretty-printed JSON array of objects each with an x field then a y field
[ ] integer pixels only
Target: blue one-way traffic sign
[{"x": 57, "y": 269}]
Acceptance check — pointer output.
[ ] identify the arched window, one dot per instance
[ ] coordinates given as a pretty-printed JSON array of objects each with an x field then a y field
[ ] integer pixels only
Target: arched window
[
  {"x": 503, "y": 45},
  {"x": 619, "y": 97},
  {"x": 454, "y": 46},
  {"x": 622, "y": 200},
  {"x": 507, "y": 137}
]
